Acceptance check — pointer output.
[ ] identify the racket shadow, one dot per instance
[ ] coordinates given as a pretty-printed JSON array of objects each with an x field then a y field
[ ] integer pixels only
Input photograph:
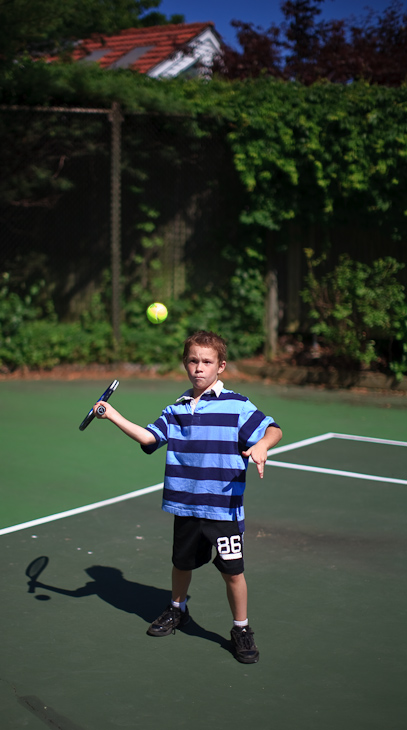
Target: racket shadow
[{"x": 34, "y": 570}]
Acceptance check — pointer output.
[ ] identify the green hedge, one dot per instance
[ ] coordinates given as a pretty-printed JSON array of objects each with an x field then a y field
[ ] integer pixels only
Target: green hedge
[{"x": 32, "y": 336}]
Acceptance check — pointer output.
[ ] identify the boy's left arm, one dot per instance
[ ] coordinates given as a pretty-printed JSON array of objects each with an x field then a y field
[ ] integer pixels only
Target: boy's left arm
[{"x": 258, "y": 452}]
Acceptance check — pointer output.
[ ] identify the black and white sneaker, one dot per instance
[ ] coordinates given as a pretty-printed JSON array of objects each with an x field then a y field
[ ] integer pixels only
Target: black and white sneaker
[
  {"x": 244, "y": 648},
  {"x": 172, "y": 618}
]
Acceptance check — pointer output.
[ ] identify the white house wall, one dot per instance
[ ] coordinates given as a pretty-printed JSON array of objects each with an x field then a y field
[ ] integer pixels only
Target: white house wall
[{"x": 203, "y": 48}]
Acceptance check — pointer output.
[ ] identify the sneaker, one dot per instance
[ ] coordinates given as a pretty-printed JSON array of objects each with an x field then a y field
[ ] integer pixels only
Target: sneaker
[
  {"x": 245, "y": 650},
  {"x": 172, "y": 618}
]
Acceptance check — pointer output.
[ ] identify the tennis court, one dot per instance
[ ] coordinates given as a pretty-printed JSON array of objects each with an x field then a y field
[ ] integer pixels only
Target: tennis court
[{"x": 326, "y": 548}]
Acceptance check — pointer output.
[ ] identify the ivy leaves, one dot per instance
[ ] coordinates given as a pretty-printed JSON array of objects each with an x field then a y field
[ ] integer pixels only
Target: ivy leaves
[{"x": 313, "y": 153}]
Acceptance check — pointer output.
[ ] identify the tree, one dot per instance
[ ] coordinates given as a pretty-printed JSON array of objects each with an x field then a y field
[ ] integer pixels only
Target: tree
[
  {"x": 45, "y": 25},
  {"x": 261, "y": 53},
  {"x": 306, "y": 49},
  {"x": 302, "y": 35},
  {"x": 380, "y": 47}
]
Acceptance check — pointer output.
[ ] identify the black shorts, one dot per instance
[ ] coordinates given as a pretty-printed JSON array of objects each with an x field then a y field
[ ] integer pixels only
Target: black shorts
[{"x": 195, "y": 537}]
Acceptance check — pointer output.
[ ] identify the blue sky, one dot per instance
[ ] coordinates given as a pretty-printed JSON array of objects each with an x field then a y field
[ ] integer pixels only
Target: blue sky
[{"x": 259, "y": 12}]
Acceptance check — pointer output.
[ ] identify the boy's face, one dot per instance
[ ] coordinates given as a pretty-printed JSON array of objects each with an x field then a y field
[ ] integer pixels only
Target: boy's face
[{"x": 203, "y": 368}]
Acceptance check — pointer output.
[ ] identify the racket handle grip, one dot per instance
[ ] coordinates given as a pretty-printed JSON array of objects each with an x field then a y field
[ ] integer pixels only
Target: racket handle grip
[{"x": 100, "y": 410}]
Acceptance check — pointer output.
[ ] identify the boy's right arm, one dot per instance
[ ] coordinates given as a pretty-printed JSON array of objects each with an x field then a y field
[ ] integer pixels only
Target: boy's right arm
[{"x": 138, "y": 433}]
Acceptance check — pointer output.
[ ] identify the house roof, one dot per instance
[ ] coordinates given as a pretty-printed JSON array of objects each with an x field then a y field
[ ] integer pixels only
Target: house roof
[{"x": 144, "y": 49}]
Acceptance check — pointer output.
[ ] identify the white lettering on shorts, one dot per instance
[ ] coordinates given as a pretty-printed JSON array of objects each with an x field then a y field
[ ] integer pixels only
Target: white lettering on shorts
[{"x": 230, "y": 548}]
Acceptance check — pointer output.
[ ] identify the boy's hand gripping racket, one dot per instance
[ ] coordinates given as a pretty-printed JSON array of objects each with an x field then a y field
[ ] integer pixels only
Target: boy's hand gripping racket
[{"x": 101, "y": 409}]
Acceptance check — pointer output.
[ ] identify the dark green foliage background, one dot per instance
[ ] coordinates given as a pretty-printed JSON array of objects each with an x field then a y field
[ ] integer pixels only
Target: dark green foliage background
[{"x": 324, "y": 155}]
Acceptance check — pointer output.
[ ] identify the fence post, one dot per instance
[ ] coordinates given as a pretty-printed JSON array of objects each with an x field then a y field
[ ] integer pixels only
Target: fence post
[
  {"x": 271, "y": 309},
  {"x": 293, "y": 312},
  {"x": 115, "y": 119},
  {"x": 272, "y": 317}
]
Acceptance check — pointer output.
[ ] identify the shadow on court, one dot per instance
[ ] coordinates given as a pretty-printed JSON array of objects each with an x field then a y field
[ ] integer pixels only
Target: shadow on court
[{"x": 145, "y": 601}]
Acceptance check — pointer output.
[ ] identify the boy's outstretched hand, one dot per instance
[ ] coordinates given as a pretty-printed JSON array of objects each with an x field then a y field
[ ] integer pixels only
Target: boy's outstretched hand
[
  {"x": 259, "y": 456},
  {"x": 258, "y": 452}
]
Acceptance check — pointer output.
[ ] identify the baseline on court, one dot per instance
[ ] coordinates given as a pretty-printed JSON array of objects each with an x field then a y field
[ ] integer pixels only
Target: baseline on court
[{"x": 390, "y": 460}]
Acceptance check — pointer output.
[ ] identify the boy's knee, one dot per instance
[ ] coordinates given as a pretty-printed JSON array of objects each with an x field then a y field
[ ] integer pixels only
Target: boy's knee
[{"x": 233, "y": 579}]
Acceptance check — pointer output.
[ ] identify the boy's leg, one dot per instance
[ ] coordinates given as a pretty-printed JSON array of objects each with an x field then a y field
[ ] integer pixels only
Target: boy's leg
[
  {"x": 236, "y": 590},
  {"x": 242, "y": 635},
  {"x": 180, "y": 584},
  {"x": 176, "y": 614}
]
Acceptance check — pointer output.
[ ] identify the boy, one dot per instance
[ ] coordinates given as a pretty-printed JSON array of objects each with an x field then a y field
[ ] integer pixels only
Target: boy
[{"x": 210, "y": 433}]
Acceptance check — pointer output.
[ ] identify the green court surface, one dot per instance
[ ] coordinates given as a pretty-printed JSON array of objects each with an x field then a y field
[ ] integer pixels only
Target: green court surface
[{"x": 326, "y": 549}]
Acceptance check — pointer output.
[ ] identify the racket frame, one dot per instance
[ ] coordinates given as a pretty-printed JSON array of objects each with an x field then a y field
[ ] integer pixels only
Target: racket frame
[{"x": 105, "y": 397}]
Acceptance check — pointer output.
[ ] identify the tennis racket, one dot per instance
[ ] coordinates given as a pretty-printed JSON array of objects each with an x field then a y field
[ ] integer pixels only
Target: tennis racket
[
  {"x": 105, "y": 396},
  {"x": 34, "y": 569}
]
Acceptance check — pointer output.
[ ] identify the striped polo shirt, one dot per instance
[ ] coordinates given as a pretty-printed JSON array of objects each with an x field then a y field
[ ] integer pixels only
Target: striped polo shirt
[{"x": 205, "y": 473}]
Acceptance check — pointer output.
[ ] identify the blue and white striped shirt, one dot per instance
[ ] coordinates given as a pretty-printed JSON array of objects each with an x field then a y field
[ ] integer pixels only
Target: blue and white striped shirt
[{"x": 205, "y": 473}]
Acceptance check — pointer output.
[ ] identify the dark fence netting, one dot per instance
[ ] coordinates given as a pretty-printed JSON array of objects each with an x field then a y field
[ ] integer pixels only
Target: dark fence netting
[
  {"x": 55, "y": 199},
  {"x": 179, "y": 200},
  {"x": 176, "y": 205}
]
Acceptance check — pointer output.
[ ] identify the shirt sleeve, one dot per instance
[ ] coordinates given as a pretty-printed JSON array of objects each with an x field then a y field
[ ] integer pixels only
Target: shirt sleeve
[
  {"x": 159, "y": 429},
  {"x": 252, "y": 425}
]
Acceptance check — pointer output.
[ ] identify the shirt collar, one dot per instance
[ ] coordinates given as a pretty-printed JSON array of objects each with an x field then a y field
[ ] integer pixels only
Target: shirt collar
[{"x": 188, "y": 395}]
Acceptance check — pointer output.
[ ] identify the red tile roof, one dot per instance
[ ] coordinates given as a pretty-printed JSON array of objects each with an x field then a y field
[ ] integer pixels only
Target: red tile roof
[{"x": 160, "y": 41}]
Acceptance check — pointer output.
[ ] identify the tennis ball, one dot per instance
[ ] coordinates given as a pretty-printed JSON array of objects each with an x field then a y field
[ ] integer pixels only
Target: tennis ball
[{"x": 157, "y": 313}]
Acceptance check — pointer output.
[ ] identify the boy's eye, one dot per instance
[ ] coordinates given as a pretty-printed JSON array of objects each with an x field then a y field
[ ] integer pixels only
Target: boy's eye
[{"x": 195, "y": 360}]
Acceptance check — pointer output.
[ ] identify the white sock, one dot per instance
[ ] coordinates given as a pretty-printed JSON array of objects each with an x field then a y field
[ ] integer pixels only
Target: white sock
[
  {"x": 182, "y": 605},
  {"x": 241, "y": 624}
]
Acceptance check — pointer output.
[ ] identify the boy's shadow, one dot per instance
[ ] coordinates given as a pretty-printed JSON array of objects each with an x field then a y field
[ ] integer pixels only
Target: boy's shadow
[{"x": 145, "y": 601}]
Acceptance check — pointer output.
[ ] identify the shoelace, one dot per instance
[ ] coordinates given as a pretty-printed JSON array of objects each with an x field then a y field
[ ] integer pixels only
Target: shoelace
[
  {"x": 245, "y": 639},
  {"x": 172, "y": 611}
]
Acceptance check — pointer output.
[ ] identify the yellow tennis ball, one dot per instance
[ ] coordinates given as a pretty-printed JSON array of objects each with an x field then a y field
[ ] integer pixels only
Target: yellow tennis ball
[{"x": 157, "y": 313}]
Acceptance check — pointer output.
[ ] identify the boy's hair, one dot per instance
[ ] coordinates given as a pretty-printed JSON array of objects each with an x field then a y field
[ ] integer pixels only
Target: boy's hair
[{"x": 205, "y": 339}]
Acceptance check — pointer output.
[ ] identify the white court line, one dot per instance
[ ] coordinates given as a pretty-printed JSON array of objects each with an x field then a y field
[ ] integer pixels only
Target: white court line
[
  {"x": 278, "y": 450},
  {"x": 335, "y": 472},
  {"x": 369, "y": 439},
  {"x": 80, "y": 510},
  {"x": 331, "y": 435},
  {"x": 304, "y": 442},
  {"x": 130, "y": 495}
]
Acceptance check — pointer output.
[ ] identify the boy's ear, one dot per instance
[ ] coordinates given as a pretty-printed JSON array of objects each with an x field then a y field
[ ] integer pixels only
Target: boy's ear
[{"x": 221, "y": 367}]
